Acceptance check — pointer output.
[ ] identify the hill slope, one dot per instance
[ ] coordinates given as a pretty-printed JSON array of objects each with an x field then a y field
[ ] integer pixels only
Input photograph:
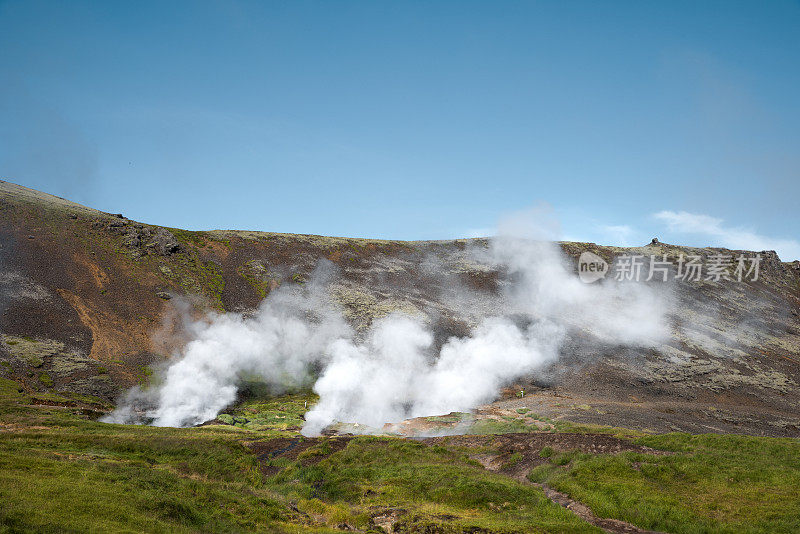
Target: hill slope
[{"x": 88, "y": 303}]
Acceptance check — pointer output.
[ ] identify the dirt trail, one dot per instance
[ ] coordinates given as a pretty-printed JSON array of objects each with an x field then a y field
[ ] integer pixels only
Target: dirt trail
[
  {"x": 615, "y": 526},
  {"x": 507, "y": 446},
  {"x": 517, "y": 454}
]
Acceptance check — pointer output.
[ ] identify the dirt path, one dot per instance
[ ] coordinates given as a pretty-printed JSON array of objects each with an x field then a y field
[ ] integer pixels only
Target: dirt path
[
  {"x": 528, "y": 445},
  {"x": 615, "y": 526},
  {"x": 517, "y": 454}
]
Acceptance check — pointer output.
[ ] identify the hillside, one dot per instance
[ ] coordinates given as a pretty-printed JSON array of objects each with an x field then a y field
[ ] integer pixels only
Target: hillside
[
  {"x": 94, "y": 303},
  {"x": 90, "y": 299}
]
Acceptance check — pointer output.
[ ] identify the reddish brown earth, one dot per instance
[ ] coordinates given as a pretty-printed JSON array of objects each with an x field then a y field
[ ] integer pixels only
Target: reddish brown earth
[{"x": 89, "y": 300}]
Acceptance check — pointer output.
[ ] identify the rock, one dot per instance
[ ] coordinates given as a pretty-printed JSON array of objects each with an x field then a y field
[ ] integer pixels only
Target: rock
[
  {"x": 73, "y": 216},
  {"x": 132, "y": 239},
  {"x": 164, "y": 242},
  {"x": 770, "y": 262},
  {"x": 163, "y": 295}
]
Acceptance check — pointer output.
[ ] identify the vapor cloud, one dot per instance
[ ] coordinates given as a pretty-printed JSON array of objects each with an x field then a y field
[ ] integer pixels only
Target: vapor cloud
[
  {"x": 278, "y": 345},
  {"x": 298, "y": 338}
]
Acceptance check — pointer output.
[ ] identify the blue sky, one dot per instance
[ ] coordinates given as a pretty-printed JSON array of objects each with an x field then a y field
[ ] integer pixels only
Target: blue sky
[{"x": 413, "y": 120}]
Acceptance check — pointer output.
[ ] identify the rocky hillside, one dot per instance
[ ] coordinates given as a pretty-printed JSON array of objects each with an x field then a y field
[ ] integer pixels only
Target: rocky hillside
[{"x": 88, "y": 305}]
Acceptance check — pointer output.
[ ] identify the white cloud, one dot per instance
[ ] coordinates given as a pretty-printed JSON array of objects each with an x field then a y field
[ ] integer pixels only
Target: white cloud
[{"x": 728, "y": 237}]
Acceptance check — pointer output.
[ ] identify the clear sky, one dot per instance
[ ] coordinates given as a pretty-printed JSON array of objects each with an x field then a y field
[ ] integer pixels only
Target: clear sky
[{"x": 413, "y": 120}]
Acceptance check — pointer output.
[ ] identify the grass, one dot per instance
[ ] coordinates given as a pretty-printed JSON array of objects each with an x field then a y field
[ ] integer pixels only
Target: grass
[
  {"x": 189, "y": 237},
  {"x": 45, "y": 379},
  {"x": 112, "y": 481},
  {"x": 277, "y": 414},
  {"x": 61, "y": 471},
  {"x": 449, "y": 418},
  {"x": 712, "y": 483},
  {"x": 69, "y": 398},
  {"x": 440, "y": 490},
  {"x": 257, "y": 276},
  {"x": 32, "y": 351},
  {"x": 504, "y": 426},
  {"x": 512, "y": 460}
]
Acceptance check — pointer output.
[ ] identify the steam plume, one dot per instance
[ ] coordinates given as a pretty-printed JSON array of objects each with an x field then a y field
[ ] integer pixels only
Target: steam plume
[{"x": 393, "y": 372}]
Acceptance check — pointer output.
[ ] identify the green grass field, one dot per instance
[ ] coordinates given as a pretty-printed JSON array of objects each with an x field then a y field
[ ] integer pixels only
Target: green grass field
[
  {"x": 62, "y": 472},
  {"x": 712, "y": 483}
]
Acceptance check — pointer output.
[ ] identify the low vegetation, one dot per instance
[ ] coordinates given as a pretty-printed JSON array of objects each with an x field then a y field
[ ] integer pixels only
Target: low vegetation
[
  {"x": 277, "y": 415},
  {"x": 711, "y": 483},
  {"x": 434, "y": 489},
  {"x": 62, "y": 471}
]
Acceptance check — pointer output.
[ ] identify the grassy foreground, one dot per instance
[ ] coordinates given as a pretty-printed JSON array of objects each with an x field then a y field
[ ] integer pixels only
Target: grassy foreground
[
  {"x": 62, "y": 472},
  {"x": 712, "y": 483}
]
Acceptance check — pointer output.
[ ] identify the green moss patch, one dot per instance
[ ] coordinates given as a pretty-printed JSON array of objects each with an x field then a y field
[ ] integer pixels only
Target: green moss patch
[
  {"x": 283, "y": 413},
  {"x": 32, "y": 352},
  {"x": 45, "y": 379}
]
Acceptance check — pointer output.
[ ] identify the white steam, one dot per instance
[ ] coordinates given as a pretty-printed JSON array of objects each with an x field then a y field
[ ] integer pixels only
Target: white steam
[
  {"x": 279, "y": 345},
  {"x": 391, "y": 377},
  {"x": 394, "y": 371}
]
